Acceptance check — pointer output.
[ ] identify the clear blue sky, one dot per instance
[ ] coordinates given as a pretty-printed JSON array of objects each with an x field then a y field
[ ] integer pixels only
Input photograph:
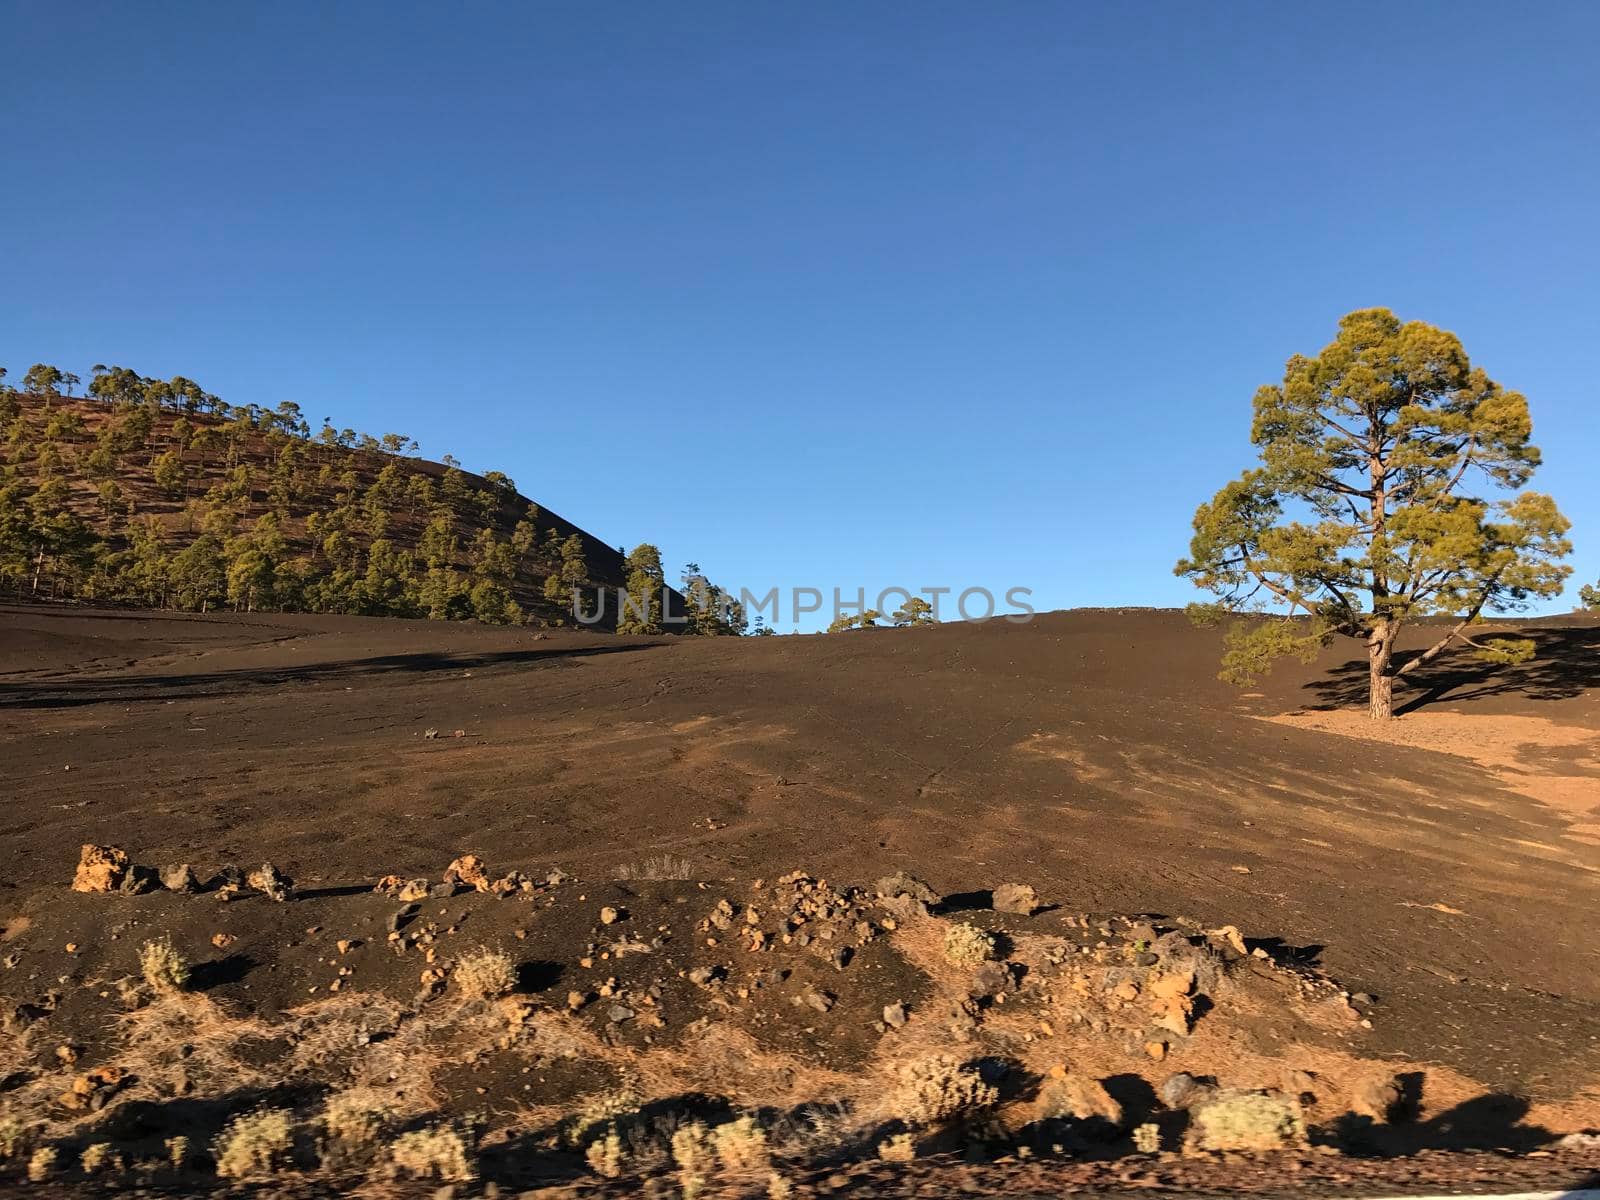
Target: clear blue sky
[{"x": 819, "y": 293}]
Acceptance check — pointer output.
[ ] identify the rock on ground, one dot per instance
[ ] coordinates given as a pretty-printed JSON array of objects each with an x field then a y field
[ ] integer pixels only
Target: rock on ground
[
  {"x": 1016, "y": 898},
  {"x": 100, "y": 869}
]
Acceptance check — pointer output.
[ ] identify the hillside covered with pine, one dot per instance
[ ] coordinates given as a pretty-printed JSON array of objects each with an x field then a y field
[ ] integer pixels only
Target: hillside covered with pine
[{"x": 154, "y": 493}]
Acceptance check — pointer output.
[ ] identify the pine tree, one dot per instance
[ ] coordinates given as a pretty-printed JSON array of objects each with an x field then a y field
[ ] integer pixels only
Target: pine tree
[
  {"x": 1359, "y": 519},
  {"x": 641, "y": 607}
]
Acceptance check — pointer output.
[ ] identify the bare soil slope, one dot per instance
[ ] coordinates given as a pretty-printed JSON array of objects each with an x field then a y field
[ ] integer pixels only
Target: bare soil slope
[{"x": 1091, "y": 754}]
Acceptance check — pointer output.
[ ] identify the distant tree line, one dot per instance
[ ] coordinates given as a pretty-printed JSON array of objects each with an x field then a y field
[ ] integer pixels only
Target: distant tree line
[{"x": 157, "y": 493}]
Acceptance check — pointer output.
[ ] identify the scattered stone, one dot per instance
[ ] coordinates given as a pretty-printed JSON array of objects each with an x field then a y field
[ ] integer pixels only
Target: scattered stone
[
  {"x": 430, "y": 733},
  {"x": 704, "y": 976},
  {"x": 91, "y": 1091},
  {"x": 1377, "y": 1098},
  {"x": 812, "y": 998},
  {"x": 1182, "y": 1090},
  {"x": 400, "y": 916},
  {"x": 180, "y": 877},
  {"x": 139, "y": 880},
  {"x": 223, "y": 940},
  {"x": 1229, "y": 936},
  {"x": 991, "y": 979},
  {"x": 618, "y": 1013},
  {"x": 270, "y": 882},
  {"x": 100, "y": 869},
  {"x": 20, "y": 1016},
  {"x": 510, "y": 883},
  {"x": 609, "y": 915},
  {"x": 576, "y": 1000},
  {"x": 469, "y": 871},
  {"x": 910, "y": 892},
  {"x": 1080, "y": 1098},
  {"x": 1016, "y": 898},
  {"x": 894, "y": 1015}
]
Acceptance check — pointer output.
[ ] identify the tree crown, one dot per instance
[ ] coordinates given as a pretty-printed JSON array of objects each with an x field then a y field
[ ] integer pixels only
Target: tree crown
[{"x": 1366, "y": 508}]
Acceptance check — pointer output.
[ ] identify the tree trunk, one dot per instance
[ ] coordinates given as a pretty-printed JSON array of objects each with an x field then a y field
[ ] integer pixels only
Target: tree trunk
[{"x": 1380, "y": 692}]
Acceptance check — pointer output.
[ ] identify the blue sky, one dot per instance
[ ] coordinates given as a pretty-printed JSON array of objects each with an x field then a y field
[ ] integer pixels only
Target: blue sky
[{"x": 833, "y": 294}]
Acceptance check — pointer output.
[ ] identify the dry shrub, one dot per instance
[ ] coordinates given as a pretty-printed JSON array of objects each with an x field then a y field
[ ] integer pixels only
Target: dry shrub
[
  {"x": 937, "y": 1089},
  {"x": 97, "y": 1159},
  {"x": 484, "y": 973},
  {"x": 1239, "y": 1119},
  {"x": 663, "y": 867},
  {"x": 691, "y": 1150},
  {"x": 967, "y": 945},
  {"x": 163, "y": 967},
  {"x": 352, "y": 1124},
  {"x": 600, "y": 1112},
  {"x": 254, "y": 1144},
  {"x": 438, "y": 1152},
  {"x": 42, "y": 1163},
  {"x": 899, "y": 1147},
  {"x": 15, "y": 1138},
  {"x": 606, "y": 1153},
  {"x": 742, "y": 1146}
]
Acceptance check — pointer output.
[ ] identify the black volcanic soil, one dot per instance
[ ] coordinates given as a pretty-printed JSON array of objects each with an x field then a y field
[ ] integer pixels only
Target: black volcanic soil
[{"x": 1092, "y": 754}]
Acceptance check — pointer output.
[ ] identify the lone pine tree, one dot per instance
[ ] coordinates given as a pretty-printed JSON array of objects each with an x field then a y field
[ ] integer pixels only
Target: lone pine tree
[{"x": 1362, "y": 515}]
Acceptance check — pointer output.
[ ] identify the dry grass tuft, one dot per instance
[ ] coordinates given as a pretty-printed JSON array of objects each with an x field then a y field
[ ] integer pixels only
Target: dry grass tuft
[{"x": 254, "y": 1144}]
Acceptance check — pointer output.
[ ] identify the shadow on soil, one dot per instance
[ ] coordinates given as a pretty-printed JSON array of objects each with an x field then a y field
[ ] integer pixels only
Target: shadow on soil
[
  {"x": 1566, "y": 663},
  {"x": 135, "y": 689}
]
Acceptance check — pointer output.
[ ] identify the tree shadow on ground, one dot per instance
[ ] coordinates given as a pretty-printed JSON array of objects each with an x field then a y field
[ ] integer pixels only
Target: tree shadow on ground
[
  {"x": 232, "y": 969},
  {"x": 131, "y": 689},
  {"x": 1566, "y": 663},
  {"x": 1488, "y": 1122}
]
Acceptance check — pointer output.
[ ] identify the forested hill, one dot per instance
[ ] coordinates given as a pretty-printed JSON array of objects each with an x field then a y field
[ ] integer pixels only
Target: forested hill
[{"x": 157, "y": 494}]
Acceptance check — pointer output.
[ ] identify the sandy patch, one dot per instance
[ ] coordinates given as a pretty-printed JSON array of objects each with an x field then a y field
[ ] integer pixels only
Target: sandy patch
[{"x": 1554, "y": 764}]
